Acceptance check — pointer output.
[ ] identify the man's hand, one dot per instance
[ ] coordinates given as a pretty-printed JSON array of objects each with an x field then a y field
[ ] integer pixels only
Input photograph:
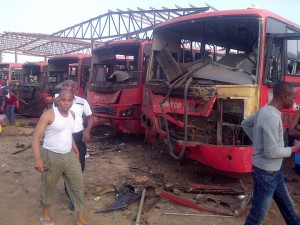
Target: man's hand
[
  {"x": 86, "y": 135},
  {"x": 296, "y": 146},
  {"x": 76, "y": 154},
  {"x": 39, "y": 165}
]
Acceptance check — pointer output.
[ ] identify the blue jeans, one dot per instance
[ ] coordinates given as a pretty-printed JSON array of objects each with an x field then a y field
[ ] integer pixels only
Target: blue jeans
[
  {"x": 10, "y": 113},
  {"x": 268, "y": 185}
]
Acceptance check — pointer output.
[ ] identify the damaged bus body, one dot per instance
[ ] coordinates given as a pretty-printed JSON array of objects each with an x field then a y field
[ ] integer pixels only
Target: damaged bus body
[
  {"x": 116, "y": 84},
  {"x": 30, "y": 91},
  {"x": 197, "y": 106},
  {"x": 10, "y": 72},
  {"x": 70, "y": 66}
]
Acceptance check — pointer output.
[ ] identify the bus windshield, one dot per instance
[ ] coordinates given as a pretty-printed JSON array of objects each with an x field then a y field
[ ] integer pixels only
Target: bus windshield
[
  {"x": 228, "y": 50},
  {"x": 116, "y": 64}
]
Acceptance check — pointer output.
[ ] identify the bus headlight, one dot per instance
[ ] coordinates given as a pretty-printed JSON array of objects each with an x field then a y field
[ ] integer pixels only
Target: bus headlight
[{"x": 127, "y": 112}]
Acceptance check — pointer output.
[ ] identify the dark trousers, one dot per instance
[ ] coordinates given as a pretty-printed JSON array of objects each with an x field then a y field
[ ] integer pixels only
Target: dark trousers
[
  {"x": 268, "y": 185},
  {"x": 10, "y": 113},
  {"x": 81, "y": 148}
]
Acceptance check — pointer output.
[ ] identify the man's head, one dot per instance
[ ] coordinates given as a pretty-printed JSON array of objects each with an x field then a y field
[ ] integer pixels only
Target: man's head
[
  {"x": 285, "y": 93},
  {"x": 69, "y": 85},
  {"x": 65, "y": 100}
]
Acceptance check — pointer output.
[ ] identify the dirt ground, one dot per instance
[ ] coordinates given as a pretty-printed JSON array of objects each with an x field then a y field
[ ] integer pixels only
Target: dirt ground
[{"x": 116, "y": 159}]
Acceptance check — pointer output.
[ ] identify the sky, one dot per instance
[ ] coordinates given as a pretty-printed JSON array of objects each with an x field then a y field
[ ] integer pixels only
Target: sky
[{"x": 49, "y": 16}]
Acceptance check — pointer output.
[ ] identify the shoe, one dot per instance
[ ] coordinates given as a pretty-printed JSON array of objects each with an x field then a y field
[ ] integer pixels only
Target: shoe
[
  {"x": 71, "y": 206},
  {"x": 45, "y": 221}
]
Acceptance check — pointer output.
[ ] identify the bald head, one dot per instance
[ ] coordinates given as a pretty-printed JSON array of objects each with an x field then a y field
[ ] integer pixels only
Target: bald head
[
  {"x": 69, "y": 85},
  {"x": 284, "y": 95},
  {"x": 65, "y": 93},
  {"x": 282, "y": 88}
]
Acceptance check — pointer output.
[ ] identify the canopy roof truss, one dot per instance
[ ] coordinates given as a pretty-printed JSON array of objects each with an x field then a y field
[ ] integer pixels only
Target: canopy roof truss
[{"x": 81, "y": 37}]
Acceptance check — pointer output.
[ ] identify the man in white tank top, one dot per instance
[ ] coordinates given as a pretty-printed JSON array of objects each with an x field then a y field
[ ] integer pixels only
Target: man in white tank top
[{"x": 59, "y": 157}]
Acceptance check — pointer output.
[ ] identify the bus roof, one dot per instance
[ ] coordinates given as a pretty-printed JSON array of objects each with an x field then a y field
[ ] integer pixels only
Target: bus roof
[
  {"x": 11, "y": 64},
  {"x": 122, "y": 42},
  {"x": 237, "y": 12},
  {"x": 71, "y": 56}
]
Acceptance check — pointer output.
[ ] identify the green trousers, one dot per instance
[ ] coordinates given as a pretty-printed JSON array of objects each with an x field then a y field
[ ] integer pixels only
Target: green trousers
[{"x": 62, "y": 165}]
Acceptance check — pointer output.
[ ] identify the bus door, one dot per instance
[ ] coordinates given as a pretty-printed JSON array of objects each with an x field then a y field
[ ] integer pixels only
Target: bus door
[{"x": 282, "y": 62}]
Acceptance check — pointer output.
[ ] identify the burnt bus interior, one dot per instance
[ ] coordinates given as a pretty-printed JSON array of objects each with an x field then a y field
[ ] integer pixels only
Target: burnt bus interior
[
  {"x": 61, "y": 69},
  {"x": 4, "y": 72},
  {"x": 16, "y": 74},
  {"x": 116, "y": 67},
  {"x": 223, "y": 51},
  {"x": 30, "y": 90}
]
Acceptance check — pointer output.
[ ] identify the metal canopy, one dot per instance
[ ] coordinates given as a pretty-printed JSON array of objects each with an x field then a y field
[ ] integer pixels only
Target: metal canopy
[{"x": 81, "y": 37}]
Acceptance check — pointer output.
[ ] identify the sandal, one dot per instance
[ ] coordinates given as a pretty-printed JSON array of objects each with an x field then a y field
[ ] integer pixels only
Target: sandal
[{"x": 46, "y": 221}]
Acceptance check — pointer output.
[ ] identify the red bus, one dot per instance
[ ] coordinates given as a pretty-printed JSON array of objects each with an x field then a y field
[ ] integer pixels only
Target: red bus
[
  {"x": 30, "y": 91},
  {"x": 10, "y": 72},
  {"x": 70, "y": 66},
  {"x": 116, "y": 84},
  {"x": 196, "y": 106}
]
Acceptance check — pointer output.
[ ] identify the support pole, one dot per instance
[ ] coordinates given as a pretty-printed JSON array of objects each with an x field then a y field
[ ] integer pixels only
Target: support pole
[
  {"x": 16, "y": 56},
  {"x": 138, "y": 218}
]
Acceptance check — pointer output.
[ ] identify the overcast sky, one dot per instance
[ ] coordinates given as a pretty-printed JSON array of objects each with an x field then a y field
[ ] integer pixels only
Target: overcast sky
[{"x": 49, "y": 16}]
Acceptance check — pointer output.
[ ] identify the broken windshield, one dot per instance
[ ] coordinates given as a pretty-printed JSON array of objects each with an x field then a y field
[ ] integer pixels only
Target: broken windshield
[
  {"x": 116, "y": 64},
  {"x": 223, "y": 50}
]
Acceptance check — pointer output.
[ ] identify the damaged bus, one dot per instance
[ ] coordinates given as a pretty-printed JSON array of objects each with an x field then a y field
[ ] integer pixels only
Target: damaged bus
[
  {"x": 116, "y": 84},
  {"x": 10, "y": 72},
  {"x": 196, "y": 105},
  {"x": 30, "y": 91},
  {"x": 62, "y": 67},
  {"x": 70, "y": 66}
]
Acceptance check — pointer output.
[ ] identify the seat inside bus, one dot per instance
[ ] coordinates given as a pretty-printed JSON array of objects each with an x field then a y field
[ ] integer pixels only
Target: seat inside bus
[{"x": 238, "y": 62}]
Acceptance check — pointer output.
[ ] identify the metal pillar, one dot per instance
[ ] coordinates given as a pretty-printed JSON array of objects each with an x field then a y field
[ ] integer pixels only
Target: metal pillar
[{"x": 16, "y": 56}]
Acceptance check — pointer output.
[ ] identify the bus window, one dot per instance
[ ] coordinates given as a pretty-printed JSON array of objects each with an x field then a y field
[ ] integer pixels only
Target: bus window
[
  {"x": 274, "y": 61},
  {"x": 293, "y": 57}
]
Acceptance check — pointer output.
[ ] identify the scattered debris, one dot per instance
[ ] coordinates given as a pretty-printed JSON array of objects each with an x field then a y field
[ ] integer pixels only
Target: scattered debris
[
  {"x": 194, "y": 214},
  {"x": 193, "y": 205},
  {"x": 138, "y": 217},
  {"x": 21, "y": 150},
  {"x": 125, "y": 196}
]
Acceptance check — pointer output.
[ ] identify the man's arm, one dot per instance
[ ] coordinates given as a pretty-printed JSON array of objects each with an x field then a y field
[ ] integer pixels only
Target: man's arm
[
  {"x": 248, "y": 126},
  {"x": 44, "y": 121},
  {"x": 74, "y": 147},
  {"x": 293, "y": 131},
  {"x": 87, "y": 131},
  {"x": 88, "y": 113},
  {"x": 270, "y": 129}
]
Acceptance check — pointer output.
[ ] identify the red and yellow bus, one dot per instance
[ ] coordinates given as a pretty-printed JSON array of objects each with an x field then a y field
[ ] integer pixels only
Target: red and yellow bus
[
  {"x": 196, "y": 106},
  {"x": 116, "y": 84},
  {"x": 10, "y": 72}
]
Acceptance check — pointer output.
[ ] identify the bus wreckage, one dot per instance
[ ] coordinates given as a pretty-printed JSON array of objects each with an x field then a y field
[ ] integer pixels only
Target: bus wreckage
[{"x": 196, "y": 103}]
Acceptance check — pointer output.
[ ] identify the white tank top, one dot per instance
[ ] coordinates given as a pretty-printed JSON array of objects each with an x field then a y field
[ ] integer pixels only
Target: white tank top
[{"x": 58, "y": 135}]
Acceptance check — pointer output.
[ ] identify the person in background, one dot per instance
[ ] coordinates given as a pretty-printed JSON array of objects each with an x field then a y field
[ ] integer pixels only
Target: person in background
[
  {"x": 80, "y": 134},
  {"x": 294, "y": 131},
  {"x": 265, "y": 130},
  {"x": 10, "y": 102},
  {"x": 58, "y": 157}
]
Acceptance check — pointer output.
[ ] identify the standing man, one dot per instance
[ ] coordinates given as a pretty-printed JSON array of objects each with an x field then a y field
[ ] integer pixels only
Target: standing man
[
  {"x": 10, "y": 102},
  {"x": 59, "y": 157},
  {"x": 81, "y": 108},
  {"x": 265, "y": 130}
]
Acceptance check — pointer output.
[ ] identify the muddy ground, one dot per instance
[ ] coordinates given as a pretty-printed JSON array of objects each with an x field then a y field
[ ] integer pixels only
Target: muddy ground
[{"x": 116, "y": 159}]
